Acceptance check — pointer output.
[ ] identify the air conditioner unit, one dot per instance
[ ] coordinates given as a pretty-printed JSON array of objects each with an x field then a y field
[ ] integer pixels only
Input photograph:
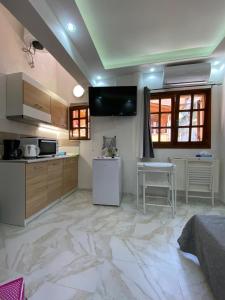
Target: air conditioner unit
[{"x": 187, "y": 74}]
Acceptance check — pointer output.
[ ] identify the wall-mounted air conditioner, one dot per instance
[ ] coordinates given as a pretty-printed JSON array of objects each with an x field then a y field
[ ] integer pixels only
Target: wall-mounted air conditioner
[{"x": 187, "y": 74}]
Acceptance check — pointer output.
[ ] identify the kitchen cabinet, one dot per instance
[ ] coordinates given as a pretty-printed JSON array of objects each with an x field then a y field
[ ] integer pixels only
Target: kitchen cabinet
[
  {"x": 27, "y": 100},
  {"x": 36, "y": 187},
  {"x": 36, "y": 98},
  {"x": 55, "y": 180},
  {"x": 59, "y": 113},
  {"x": 37, "y": 184},
  {"x": 70, "y": 174}
]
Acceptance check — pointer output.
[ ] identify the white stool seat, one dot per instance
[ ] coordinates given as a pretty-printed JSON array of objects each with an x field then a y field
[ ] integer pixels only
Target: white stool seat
[{"x": 157, "y": 165}]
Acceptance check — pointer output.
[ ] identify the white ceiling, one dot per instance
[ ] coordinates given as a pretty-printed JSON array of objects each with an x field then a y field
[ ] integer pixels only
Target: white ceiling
[
  {"x": 131, "y": 32},
  {"x": 115, "y": 37}
]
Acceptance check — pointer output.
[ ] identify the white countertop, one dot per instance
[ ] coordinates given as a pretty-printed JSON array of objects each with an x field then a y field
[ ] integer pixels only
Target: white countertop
[
  {"x": 106, "y": 158},
  {"x": 35, "y": 160}
]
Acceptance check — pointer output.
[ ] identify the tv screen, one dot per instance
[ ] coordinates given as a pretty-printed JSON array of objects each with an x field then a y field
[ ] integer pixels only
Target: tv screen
[{"x": 113, "y": 101}]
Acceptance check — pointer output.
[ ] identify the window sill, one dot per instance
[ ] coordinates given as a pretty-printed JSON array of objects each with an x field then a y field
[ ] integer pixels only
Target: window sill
[{"x": 182, "y": 146}]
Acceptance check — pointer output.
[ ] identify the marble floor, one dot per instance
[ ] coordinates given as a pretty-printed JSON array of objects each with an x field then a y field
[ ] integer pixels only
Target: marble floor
[{"x": 79, "y": 251}]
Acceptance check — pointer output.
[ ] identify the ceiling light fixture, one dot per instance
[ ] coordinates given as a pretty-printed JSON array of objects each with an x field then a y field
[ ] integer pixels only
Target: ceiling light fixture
[
  {"x": 99, "y": 77},
  {"x": 152, "y": 69},
  {"x": 78, "y": 91},
  {"x": 71, "y": 27},
  {"x": 216, "y": 63}
]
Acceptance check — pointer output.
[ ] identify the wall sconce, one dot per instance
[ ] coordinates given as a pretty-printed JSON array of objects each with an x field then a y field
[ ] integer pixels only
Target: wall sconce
[{"x": 78, "y": 91}]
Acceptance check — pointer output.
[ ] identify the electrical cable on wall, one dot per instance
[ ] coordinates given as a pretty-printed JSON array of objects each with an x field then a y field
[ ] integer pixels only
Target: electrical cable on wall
[{"x": 31, "y": 50}]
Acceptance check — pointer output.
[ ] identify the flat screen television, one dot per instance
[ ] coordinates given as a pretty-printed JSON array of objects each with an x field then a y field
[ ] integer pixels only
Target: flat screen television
[{"x": 113, "y": 101}]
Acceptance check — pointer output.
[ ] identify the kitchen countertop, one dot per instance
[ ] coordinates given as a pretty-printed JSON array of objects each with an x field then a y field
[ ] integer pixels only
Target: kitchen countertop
[{"x": 35, "y": 160}]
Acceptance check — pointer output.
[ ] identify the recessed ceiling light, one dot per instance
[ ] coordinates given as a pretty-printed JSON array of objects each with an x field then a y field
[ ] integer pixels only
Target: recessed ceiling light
[
  {"x": 99, "y": 77},
  {"x": 78, "y": 91},
  {"x": 71, "y": 27},
  {"x": 216, "y": 62},
  {"x": 152, "y": 69}
]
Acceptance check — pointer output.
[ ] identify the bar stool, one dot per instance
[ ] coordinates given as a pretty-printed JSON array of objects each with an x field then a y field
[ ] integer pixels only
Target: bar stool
[{"x": 157, "y": 175}]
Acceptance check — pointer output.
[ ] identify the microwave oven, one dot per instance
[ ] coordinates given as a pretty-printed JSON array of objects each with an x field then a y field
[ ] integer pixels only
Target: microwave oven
[{"x": 47, "y": 147}]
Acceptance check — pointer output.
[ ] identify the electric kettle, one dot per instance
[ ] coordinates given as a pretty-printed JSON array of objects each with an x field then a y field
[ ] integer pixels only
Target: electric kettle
[{"x": 30, "y": 151}]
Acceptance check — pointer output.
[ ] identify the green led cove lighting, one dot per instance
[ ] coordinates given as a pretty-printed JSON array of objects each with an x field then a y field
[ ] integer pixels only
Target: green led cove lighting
[{"x": 163, "y": 57}]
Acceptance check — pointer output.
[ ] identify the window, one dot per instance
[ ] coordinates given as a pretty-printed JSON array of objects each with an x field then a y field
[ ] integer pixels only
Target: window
[
  {"x": 181, "y": 119},
  {"x": 79, "y": 123}
]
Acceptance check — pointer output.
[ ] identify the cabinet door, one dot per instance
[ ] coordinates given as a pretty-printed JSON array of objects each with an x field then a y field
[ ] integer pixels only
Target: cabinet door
[
  {"x": 36, "y": 98},
  {"x": 36, "y": 187},
  {"x": 70, "y": 174},
  {"x": 59, "y": 113},
  {"x": 55, "y": 180}
]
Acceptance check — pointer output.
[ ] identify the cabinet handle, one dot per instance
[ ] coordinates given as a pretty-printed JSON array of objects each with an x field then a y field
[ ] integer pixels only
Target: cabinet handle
[
  {"x": 37, "y": 167},
  {"x": 38, "y": 106}
]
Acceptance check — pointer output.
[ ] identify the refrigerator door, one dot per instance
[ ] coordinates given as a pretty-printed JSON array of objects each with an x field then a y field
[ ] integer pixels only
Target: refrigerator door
[{"x": 107, "y": 181}]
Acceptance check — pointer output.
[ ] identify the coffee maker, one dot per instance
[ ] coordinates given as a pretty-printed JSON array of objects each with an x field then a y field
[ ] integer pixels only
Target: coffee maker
[{"x": 11, "y": 149}]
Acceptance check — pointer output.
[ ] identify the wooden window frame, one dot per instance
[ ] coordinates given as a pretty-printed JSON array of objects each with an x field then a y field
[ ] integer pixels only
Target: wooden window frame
[
  {"x": 175, "y": 96},
  {"x": 71, "y": 119}
]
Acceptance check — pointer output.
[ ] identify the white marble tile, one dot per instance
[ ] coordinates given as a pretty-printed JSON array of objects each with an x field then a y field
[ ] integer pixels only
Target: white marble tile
[
  {"x": 86, "y": 280},
  {"x": 8, "y": 275},
  {"x": 53, "y": 291},
  {"x": 104, "y": 253}
]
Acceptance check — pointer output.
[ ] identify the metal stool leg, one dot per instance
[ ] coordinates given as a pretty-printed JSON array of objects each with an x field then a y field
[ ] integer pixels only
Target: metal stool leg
[
  {"x": 144, "y": 206},
  {"x": 137, "y": 190},
  {"x": 173, "y": 202},
  {"x": 213, "y": 198}
]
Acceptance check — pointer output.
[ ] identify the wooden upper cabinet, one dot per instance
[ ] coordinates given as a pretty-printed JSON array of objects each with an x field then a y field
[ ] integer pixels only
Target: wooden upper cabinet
[
  {"x": 59, "y": 113},
  {"x": 36, "y": 98},
  {"x": 29, "y": 101}
]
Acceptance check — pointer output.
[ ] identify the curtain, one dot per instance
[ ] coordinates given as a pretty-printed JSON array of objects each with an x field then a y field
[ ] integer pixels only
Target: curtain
[{"x": 148, "y": 151}]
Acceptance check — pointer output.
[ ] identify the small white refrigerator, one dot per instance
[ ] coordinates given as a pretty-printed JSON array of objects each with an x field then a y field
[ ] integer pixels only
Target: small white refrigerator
[{"x": 107, "y": 187}]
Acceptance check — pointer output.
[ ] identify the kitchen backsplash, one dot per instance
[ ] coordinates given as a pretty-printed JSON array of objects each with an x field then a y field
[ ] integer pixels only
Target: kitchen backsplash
[{"x": 65, "y": 145}]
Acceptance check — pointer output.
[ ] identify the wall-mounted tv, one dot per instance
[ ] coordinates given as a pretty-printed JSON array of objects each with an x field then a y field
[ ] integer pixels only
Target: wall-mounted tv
[{"x": 113, "y": 101}]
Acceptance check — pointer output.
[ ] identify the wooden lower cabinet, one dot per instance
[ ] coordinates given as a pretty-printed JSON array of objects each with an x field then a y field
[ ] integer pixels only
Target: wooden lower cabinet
[
  {"x": 48, "y": 181},
  {"x": 55, "y": 180},
  {"x": 70, "y": 174},
  {"x": 36, "y": 187}
]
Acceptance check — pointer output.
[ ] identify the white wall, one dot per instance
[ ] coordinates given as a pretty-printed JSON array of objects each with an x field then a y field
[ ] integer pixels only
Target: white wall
[
  {"x": 124, "y": 128},
  {"x": 47, "y": 71},
  {"x": 129, "y": 140},
  {"x": 221, "y": 143}
]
